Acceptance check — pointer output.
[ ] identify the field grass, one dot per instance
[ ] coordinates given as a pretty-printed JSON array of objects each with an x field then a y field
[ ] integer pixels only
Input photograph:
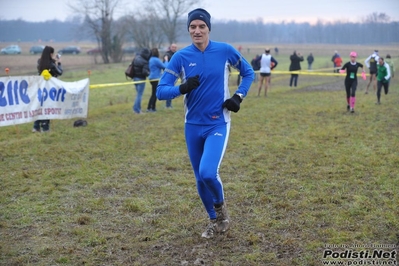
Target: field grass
[{"x": 300, "y": 174}]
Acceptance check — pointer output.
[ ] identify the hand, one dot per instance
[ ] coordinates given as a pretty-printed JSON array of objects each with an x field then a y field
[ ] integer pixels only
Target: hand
[
  {"x": 191, "y": 84},
  {"x": 342, "y": 71},
  {"x": 364, "y": 75},
  {"x": 233, "y": 104}
]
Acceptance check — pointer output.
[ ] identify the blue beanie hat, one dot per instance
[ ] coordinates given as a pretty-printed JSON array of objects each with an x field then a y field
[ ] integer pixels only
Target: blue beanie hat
[{"x": 200, "y": 14}]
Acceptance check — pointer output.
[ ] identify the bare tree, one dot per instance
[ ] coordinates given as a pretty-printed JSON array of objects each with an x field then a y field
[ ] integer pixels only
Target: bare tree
[
  {"x": 145, "y": 30},
  {"x": 98, "y": 18},
  {"x": 377, "y": 18},
  {"x": 170, "y": 14}
]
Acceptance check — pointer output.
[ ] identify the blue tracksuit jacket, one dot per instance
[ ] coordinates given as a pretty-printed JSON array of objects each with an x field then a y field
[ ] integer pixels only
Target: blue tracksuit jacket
[{"x": 203, "y": 106}]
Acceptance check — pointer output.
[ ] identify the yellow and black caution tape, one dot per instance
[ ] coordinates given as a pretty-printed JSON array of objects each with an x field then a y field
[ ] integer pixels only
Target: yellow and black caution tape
[
  {"x": 96, "y": 86},
  {"x": 302, "y": 72},
  {"x": 307, "y": 72}
]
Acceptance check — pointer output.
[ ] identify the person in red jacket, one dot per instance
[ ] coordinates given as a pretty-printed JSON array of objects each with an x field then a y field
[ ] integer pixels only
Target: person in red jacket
[{"x": 338, "y": 63}]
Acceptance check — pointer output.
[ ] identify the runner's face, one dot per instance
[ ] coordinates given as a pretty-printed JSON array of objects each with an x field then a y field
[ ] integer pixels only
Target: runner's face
[
  {"x": 353, "y": 59},
  {"x": 199, "y": 32}
]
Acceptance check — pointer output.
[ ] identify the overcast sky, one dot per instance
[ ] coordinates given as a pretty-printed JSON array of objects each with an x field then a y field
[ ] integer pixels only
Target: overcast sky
[{"x": 241, "y": 10}]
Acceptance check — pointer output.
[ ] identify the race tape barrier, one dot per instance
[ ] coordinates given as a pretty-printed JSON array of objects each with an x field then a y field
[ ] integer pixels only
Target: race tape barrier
[
  {"x": 96, "y": 86},
  {"x": 308, "y": 72}
]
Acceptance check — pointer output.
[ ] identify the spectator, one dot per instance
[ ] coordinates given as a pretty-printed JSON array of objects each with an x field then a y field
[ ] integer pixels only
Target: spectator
[
  {"x": 337, "y": 63},
  {"x": 156, "y": 67},
  {"x": 208, "y": 107},
  {"x": 172, "y": 50},
  {"x": 310, "y": 60},
  {"x": 141, "y": 72},
  {"x": 52, "y": 63},
  {"x": 296, "y": 59},
  {"x": 239, "y": 76},
  {"x": 371, "y": 63},
  {"x": 335, "y": 55},
  {"x": 255, "y": 63},
  {"x": 276, "y": 50},
  {"x": 267, "y": 63}
]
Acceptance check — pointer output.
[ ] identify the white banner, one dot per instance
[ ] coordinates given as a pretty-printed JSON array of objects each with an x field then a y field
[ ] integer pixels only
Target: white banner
[{"x": 28, "y": 98}]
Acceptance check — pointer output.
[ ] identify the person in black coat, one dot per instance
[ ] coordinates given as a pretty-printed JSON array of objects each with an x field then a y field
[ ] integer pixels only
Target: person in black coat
[
  {"x": 296, "y": 59},
  {"x": 141, "y": 72},
  {"x": 310, "y": 60},
  {"x": 47, "y": 61}
]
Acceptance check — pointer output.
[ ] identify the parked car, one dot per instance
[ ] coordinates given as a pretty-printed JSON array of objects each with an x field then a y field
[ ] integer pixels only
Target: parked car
[
  {"x": 70, "y": 50},
  {"x": 11, "y": 49},
  {"x": 94, "y": 51},
  {"x": 130, "y": 50},
  {"x": 37, "y": 49}
]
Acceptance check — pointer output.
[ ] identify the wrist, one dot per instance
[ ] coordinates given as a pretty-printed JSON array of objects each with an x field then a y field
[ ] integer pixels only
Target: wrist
[
  {"x": 241, "y": 96},
  {"x": 183, "y": 89}
]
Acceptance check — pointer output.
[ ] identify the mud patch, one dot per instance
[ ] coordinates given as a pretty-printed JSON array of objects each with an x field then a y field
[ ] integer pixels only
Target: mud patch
[{"x": 332, "y": 86}]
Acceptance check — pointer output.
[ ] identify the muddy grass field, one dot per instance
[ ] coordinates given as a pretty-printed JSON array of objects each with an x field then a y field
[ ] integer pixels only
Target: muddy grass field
[{"x": 301, "y": 175}]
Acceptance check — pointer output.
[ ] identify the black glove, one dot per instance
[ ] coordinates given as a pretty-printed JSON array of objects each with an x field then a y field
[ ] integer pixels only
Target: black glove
[
  {"x": 191, "y": 84},
  {"x": 233, "y": 104}
]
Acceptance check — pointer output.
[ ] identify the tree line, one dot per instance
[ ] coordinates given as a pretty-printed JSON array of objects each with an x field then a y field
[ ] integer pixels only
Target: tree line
[
  {"x": 162, "y": 22},
  {"x": 331, "y": 33},
  {"x": 231, "y": 31}
]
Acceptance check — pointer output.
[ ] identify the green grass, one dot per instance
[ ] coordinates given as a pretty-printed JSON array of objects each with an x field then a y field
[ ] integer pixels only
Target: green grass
[{"x": 299, "y": 173}]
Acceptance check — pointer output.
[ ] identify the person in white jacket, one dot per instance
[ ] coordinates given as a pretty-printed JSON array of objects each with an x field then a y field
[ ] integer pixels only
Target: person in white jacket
[
  {"x": 267, "y": 63},
  {"x": 371, "y": 63}
]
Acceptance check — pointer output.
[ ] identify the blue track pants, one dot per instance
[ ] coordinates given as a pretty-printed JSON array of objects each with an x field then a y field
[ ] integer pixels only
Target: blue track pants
[{"x": 206, "y": 146}]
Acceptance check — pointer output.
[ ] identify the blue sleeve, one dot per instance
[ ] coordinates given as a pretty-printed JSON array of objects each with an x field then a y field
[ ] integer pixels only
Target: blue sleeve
[
  {"x": 166, "y": 89},
  {"x": 160, "y": 64},
  {"x": 246, "y": 71}
]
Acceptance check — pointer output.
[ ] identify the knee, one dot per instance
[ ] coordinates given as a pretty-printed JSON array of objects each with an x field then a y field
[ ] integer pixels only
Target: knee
[{"x": 207, "y": 175}]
